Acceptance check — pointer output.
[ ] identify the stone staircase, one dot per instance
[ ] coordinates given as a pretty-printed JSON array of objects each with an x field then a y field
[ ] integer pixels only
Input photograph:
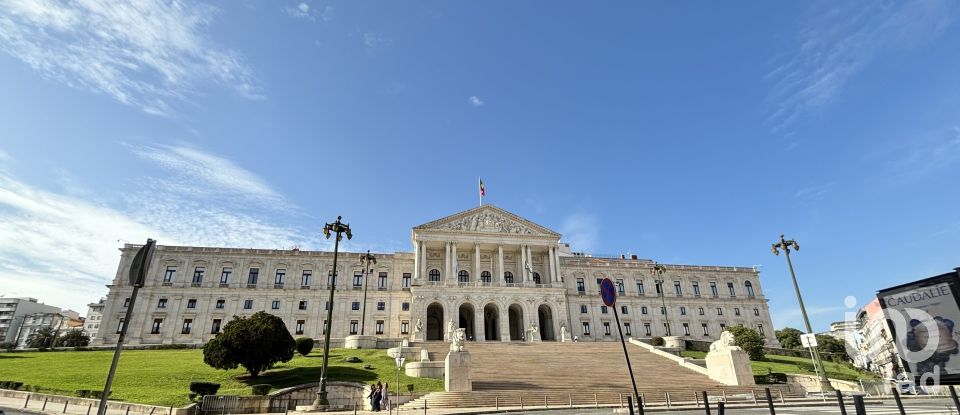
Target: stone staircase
[{"x": 570, "y": 374}]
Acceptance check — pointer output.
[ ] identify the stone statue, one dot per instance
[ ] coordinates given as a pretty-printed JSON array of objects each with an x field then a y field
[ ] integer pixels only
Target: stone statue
[
  {"x": 725, "y": 343},
  {"x": 450, "y": 328},
  {"x": 563, "y": 332},
  {"x": 418, "y": 327},
  {"x": 456, "y": 340},
  {"x": 424, "y": 355},
  {"x": 531, "y": 331}
]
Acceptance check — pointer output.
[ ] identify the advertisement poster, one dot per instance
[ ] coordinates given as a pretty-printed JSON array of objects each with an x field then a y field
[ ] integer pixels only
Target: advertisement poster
[{"x": 923, "y": 317}]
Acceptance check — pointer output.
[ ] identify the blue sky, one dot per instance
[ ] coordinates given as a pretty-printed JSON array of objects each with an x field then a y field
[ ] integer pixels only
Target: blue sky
[{"x": 685, "y": 132}]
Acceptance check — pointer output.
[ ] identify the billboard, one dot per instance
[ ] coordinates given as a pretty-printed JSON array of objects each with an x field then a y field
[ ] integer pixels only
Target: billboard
[{"x": 923, "y": 318}]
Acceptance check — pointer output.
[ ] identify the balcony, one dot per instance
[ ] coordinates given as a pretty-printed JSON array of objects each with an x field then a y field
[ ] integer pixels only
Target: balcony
[
  {"x": 194, "y": 284},
  {"x": 166, "y": 284},
  {"x": 304, "y": 287},
  {"x": 381, "y": 288},
  {"x": 278, "y": 286},
  {"x": 357, "y": 287},
  {"x": 224, "y": 285},
  {"x": 251, "y": 285}
]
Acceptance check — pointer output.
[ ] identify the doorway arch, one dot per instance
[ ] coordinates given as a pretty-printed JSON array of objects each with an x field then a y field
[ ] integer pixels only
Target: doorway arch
[
  {"x": 491, "y": 322},
  {"x": 467, "y": 318},
  {"x": 435, "y": 322},
  {"x": 545, "y": 317},
  {"x": 515, "y": 316}
]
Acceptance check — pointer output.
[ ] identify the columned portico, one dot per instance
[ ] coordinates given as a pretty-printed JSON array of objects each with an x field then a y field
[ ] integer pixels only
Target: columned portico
[{"x": 500, "y": 269}]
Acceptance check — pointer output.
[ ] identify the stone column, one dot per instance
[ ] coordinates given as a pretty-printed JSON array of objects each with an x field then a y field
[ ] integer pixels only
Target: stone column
[
  {"x": 446, "y": 263},
  {"x": 476, "y": 262},
  {"x": 553, "y": 265},
  {"x": 530, "y": 261},
  {"x": 500, "y": 263},
  {"x": 523, "y": 261},
  {"x": 423, "y": 259},
  {"x": 479, "y": 330},
  {"x": 455, "y": 262},
  {"x": 416, "y": 259},
  {"x": 505, "y": 324},
  {"x": 556, "y": 259}
]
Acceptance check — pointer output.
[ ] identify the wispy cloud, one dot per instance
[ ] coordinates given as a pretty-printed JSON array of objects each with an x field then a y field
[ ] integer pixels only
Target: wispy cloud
[
  {"x": 4, "y": 156},
  {"x": 475, "y": 101},
  {"x": 923, "y": 155},
  {"x": 814, "y": 192},
  {"x": 835, "y": 42},
  {"x": 303, "y": 10},
  {"x": 148, "y": 54},
  {"x": 580, "y": 230},
  {"x": 374, "y": 41}
]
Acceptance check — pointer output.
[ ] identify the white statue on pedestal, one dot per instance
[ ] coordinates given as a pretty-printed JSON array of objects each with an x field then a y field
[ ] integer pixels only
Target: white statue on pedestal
[
  {"x": 563, "y": 332},
  {"x": 418, "y": 327},
  {"x": 725, "y": 343},
  {"x": 456, "y": 340},
  {"x": 450, "y": 329},
  {"x": 531, "y": 331}
]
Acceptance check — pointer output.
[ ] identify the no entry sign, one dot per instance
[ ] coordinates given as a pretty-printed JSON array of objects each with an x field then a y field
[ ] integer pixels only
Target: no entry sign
[{"x": 608, "y": 292}]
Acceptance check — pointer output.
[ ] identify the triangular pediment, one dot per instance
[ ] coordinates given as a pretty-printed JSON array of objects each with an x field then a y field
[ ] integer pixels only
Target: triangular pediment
[{"x": 487, "y": 219}]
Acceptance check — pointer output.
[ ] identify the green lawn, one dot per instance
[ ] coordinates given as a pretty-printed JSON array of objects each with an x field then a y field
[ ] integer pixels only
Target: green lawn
[
  {"x": 797, "y": 365},
  {"x": 162, "y": 377}
]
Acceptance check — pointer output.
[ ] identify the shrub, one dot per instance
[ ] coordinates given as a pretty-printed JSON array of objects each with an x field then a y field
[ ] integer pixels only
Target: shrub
[
  {"x": 771, "y": 378},
  {"x": 352, "y": 359},
  {"x": 81, "y": 348},
  {"x": 16, "y": 385},
  {"x": 8, "y": 346},
  {"x": 658, "y": 341},
  {"x": 34, "y": 388},
  {"x": 204, "y": 388},
  {"x": 42, "y": 338},
  {"x": 73, "y": 338},
  {"x": 98, "y": 394},
  {"x": 172, "y": 346},
  {"x": 261, "y": 389},
  {"x": 409, "y": 387},
  {"x": 749, "y": 340},
  {"x": 83, "y": 393},
  {"x": 256, "y": 343},
  {"x": 4, "y": 384},
  {"x": 192, "y": 396},
  {"x": 304, "y": 345}
]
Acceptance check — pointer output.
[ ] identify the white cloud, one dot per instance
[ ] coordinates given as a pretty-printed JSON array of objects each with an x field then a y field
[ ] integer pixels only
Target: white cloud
[
  {"x": 917, "y": 157},
  {"x": 4, "y": 156},
  {"x": 304, "y": 11},
  {"x": 837, "y": 40},
  {"x": 148, "y": 54},
  {"x": 475, "y": 101},
  {"x": 814, "y": 192},
  {"x": 375, "y": 41},
  {"x": 580, "y": 230}
]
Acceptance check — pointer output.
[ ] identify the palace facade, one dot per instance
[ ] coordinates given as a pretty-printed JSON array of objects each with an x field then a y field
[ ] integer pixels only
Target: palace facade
[{"x": 485, "y": 269}]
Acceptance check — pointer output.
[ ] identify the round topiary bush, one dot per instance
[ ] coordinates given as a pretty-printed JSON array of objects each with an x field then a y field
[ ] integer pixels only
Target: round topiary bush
[
  {"x": 304, "y": 345},
  {"x": 658, "y": 341},
  {"x": 202, "y": 388},
  {"x": 352, "y": 359}
]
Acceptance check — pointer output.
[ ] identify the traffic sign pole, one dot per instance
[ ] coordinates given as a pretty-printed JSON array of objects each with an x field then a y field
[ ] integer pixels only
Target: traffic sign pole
[{"x": 608, "y": 293}]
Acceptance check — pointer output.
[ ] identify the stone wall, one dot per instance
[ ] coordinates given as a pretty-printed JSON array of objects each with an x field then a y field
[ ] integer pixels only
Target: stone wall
[
  {"x": 808, "y": 384},
  {"x": 34, "y": 401}
]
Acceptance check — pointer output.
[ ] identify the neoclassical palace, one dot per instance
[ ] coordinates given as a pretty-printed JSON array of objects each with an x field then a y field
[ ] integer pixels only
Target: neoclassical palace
[{"x": 486, "y": 270}]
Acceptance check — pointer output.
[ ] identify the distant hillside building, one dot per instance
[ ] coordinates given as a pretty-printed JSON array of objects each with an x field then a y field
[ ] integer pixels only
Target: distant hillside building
[
  {"x": 94, "y": 316},
  {"x": 13, "y": 313},
  {"x": 485, "y": 269}
]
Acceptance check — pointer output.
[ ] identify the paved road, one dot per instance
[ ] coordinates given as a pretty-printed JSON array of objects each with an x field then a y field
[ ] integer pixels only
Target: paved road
[
  {"x": 911, "y": 407},
  {"x": 8, "y": 411}
]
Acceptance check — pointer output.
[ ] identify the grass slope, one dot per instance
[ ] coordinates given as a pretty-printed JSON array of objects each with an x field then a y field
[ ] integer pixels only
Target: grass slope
[
  {"x": 797, "y": 365},
  {"x": 162, "y": 377}
]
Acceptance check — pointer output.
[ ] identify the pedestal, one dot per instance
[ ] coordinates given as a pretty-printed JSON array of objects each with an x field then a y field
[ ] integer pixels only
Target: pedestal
[
  {"x": 457, "y": 367},
  {"x": 675, "y": 342},
  {"x": 360, "y": 342},
  {"x": 730, "y": 367}
]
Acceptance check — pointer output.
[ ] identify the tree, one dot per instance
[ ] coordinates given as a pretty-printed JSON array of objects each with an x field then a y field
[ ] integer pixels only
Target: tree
[
  {"x": 789, "y": 338},
  {"x": 73, "y": 338},
  {"x": 749, "y": 340},
  {"x": 42, "y": 338},
  {"x": 256, "y": 343},
  {"x": 830, "y": 344},
  {"x": 304, "y": 345}
]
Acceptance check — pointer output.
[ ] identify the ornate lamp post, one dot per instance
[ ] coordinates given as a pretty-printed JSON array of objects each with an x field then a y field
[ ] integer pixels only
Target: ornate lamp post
[
  {"x": 785, "y": 245},
  {"x": 365, "y": 261},
  {"x": 657, "y": 272},
  {"x": 328, "y": 229}
]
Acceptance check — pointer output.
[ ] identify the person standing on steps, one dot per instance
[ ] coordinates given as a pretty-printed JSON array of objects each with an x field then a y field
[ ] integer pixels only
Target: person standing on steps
[
  {"x": 373, "y": 397},
  {"x": 377, "y": 397},
  {"x": 385, "y": 397}
]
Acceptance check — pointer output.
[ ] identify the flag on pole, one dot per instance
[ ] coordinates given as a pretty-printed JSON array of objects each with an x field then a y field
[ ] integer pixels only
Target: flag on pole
[{"x": 483, "y": 191}]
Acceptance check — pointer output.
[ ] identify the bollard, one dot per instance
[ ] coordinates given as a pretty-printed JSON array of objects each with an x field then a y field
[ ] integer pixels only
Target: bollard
[
  {"x": 26, "y": 401},
  {"x": 720, "y": 406},
  {"x": 953, "y": 394},
  {"x": 354, "y": 408},
  {"x": 640, "y": 404},
  {"x": 596, "y": 402},
  {"x": 667, "y": 394},
  {"x": 630, "y": 405},
  {"x": 696, "y": 399},
  {"x": 128, "y": 411},
  {"x": 896, "y": 398},
  {"x": 780, "y": 392},
  {"x": 521, "y": 402},
  {"x": 424, "y": 407},
  {"x": 754, "y": 393},
  {"x": 44, "y": 408},
  {"x": 545, "y": 401},
  {"x": 496, "y": 400},
  {"x": 858, "y": 405},
  {"x": 570, "y": 400},
  {"x": 89, "y": 406},
  {"x": 170, "y": 412},
  {"x": 65, "y": 402},
  {"x": 706, "y": 402},
  {"x": 621, "y": 400},
  {"x": 770, "y": 401},
  {"x": 843, "y": 410},
  {"x": 723, "y": 392}
]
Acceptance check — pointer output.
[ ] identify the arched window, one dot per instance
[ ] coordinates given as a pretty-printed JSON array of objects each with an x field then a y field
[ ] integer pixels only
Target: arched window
[
  {"x": 536, "y": 279},
  {"x": 485, "y": 277},
  {"x": 749, "y": 286},
  {"x": 463, "y": 276},
  {"x": 508, "y": 277},
  {"x": 434, "y": 275}
]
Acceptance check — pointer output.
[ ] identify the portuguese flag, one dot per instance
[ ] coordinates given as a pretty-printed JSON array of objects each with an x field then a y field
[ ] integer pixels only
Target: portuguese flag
[{"x": 483, "y": 191}]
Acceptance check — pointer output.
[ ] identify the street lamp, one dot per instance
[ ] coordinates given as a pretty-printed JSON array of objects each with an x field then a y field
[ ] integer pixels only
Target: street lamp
[
  {"x": 365, "y": 261},
  {"x": 785, "y": 245},
  {"x": 657, "y": 272},
  {"x": 337, "y": 228},
  {"x": 396, "y": 389}
]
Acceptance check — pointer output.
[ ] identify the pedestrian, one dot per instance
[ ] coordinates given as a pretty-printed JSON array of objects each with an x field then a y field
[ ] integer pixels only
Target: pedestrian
[
  {"x": 376, "y": 398},
  {"x": 373, "y": 393},
  {"x": 385, "y": 397}
]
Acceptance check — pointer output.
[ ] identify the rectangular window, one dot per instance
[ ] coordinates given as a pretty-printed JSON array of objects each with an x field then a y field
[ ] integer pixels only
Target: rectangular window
[
  {"x": 126, "y": 302},
  {"x": 683, "y": 311},
  {"x": 700, "y": 311},
  {"x": 623, "y": 309},
  {"x": 357, "y": 279},
  {"x": 719, "y": 311},
  {"x": 405, "y": 282},
  {"x": 686, "y": 329},
  {"x": 162, "y": 303},
  {"x": 666, "y": 329},
  {"x": 355, "y": 306},
  {"x": 722, "y": 326},
  {"x": 756, "y": 311},
  {"x": 382, "y": 281},
  {"x": 220, "y": 304},
  {"x": 302, "y": 305},
  {"x": 353, "y": 326},
  {"x": 677, "y": 288},
  {"x": 198, "y": 275},
  {"x": 626, "y": 329},
  {"x": 760, "y": 329},
  {"x": 278, "y": 279},
  {"x": 170, "y": 274},
  {"x": 215, "y": 327},
  {"x": 603, "y": 309},
  {"x": 323, "y": 328},
  {"x": 580, "y": 286},
  {"x": 736, "y": 311},
  {"x": 620, "y": 287},
  {"x": 405, "y": 327},
  {"x": 598, "y": 284},
  {"x": 326, "y": 305},
  {"x": 253, "y": 276},
  {"x": 583, "y": 309},
  {"x": 713, "y": 289},
  {"x": 405, "y": 306},
  {"x": 646, "y": 329},
  {"x": 157, "y": 324},
  {"x": 305, "y": 278},
  {"x": 192, "y": 303},
  {"x": 643, "y": 310},
  {"x": 586, "y": 328},
  {"x": 379, "y": 327},
  {"x": 606, "y": 328},
  {"x": 663, "y": 311},
  {"x": 704, "y": 327},
  {"x": 658, "y": 286},
  {"x": 187, "y": 326},
  {"x": 225, "y": 275},
  {"x": 696, "y": 289},
  {"x": 247, "y": 304},
  {"x": 299, "y": 328},
  {"x": 381, "y": 306},
  {"x": 275, "y": 305},
  {"x": 640, "y": 287},
  {"x": 732, "y": 289},
  {"x": 750, "y": 292}
]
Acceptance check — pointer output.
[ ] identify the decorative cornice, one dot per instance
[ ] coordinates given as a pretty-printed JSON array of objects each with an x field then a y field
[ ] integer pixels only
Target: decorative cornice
[{"x": 487, "y": 219}]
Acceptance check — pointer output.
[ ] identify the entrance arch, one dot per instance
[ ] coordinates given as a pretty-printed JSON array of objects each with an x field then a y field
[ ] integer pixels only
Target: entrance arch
[
  {"x": 435, "y": 322},
  {"x": 515, "y": 315},
  {"x": 491, "y": 322},
  {"x": 545, "y": 317},
  {"x": 467, "y": 318}
]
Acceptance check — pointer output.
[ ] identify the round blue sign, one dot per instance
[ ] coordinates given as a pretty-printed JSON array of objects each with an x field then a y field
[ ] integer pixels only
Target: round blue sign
[{"x": 608, "y": 292}]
